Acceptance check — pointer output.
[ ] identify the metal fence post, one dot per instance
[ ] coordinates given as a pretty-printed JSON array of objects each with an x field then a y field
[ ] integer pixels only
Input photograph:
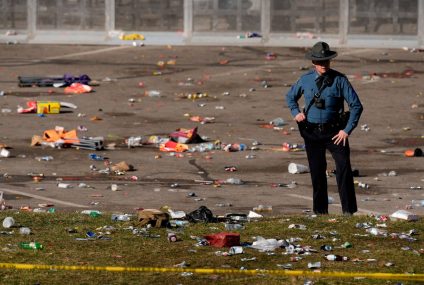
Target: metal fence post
[
  {"x": 31, "y": 18},
  {"x": 188, "y": 20},
  {"x": 109, "y": 16},
  {"x": 343, "y": 22},
  {"x": 420, "y": 23},
  {"x": 265, "y": 20}
]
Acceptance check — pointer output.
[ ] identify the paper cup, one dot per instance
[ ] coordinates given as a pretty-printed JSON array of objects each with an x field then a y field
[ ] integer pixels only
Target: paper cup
[
  {"x": 235, "y": 250},
  {"x": 295, "y": 168},
  {"x": 25, "y": 231},
  {"x": 8, "y": 222},
  {"x": 4, "y": 152}
]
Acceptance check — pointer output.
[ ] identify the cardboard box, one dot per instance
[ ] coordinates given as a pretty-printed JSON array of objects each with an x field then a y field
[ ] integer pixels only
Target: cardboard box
[{"x": 48, "y": 107}]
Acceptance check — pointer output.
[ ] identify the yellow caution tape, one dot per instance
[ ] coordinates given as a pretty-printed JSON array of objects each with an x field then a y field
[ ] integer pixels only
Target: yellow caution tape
[{"x": 386, "y": 276}]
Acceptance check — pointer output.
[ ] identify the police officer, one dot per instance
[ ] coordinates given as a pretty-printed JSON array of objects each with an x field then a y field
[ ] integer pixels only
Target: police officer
[{"x": 322, "y": 126}]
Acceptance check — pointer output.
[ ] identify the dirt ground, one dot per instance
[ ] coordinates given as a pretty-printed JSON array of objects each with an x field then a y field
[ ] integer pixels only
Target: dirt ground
[{"x": 393, "y": 110}]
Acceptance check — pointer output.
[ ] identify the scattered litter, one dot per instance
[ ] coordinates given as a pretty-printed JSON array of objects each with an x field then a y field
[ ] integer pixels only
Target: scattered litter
[
  {"x": 131, "y": 37},
  {"x": 92, "y": 213},
  {"x": 305, "y": 35},
  {"x": 263, "y": 208},
  {"x": 249, "y": 35},
  {"x": 60, "y": 81},
  {"x": 254, "y": 215},
  {"x": 78, "y": 88},
  {"x": 295, "y": 168},
  {"x": 314, "y": 265},
  {"x": 263, "y": 244},
  {"x": 335, "y": 257},
  {"x": 44, "y": 158},
  {"x": 278, "y": 122},
  {"x": 8, "y": 222},
  {"x": 297, "y": 226},
  {"x": 403, "y": 215},
  {"x": 365, "y": 128},
  {"x": 4, "y": 152},
  {"x": 223, "y": 239},
  {"x": 293, "y": 147}
]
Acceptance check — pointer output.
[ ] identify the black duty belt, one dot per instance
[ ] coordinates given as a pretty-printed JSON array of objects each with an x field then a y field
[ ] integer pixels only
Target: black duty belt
[{"x": 321, "y": 127}]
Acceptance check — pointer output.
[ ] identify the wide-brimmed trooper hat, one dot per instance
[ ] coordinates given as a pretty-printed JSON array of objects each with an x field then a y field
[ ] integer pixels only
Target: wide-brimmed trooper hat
[{"x": 320, "y": 51}]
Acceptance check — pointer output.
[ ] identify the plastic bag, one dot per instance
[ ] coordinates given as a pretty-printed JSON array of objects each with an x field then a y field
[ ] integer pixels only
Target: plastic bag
[{"x": 202, "y": 214}]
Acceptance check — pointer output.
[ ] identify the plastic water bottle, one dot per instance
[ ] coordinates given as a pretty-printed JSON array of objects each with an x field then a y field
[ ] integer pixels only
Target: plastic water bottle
[
  {"x": 233, "y": 227},
  {"x": 335, "y": 257},
  {"x": 178, "y": 223},
  {"x": 31, "y": 245},
  {"x": 121, "y": 217},
  {"x": 417, "y": 203},
  {"x": 92, "y": 213},
  {"x": 153, "y": 93},
  {"x": 234, "y": 181},
  {"x": 44, "y": 158},
  {"x": 377, "y": 232}
]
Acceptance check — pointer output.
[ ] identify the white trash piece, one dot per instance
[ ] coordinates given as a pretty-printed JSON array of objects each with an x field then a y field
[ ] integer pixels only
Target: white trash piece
[
  {"x": 404, "y": 215},
  {"x": 2, "y": 202},
  {"x": 8, "y": 222},
  {"x": 177, "y": 214},
  {"x": 4, "y": 152},
  {"x": 235, "y": 250},
  {"x": 295, "y": 168},
  {"x": 25, "y": 231},
  {"x": 254, "y": 215},
  {"x": 263, "y": 244}
]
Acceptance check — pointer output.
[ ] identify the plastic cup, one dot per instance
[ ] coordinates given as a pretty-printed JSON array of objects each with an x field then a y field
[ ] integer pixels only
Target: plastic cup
[
  {"x": 295, "y": 168},
  {"x": 235, "y": 250},
  {"x": 4, "y": 152},
  {"x": 8, "y": 222},
  {"x": 25, "y": 231}
]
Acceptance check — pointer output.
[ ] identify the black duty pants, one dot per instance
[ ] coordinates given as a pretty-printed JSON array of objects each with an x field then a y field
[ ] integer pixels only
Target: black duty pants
[{"x": 317, "y": 141}]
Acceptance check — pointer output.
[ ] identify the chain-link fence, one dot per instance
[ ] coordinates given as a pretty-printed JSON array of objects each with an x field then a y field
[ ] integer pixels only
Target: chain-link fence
[{"x": 264, "y": 22}]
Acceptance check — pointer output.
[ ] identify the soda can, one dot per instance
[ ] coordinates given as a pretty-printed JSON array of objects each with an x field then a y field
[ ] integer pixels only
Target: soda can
[
  {"x": 172, "y": 237},
  {"x": 327, "y": 247}
]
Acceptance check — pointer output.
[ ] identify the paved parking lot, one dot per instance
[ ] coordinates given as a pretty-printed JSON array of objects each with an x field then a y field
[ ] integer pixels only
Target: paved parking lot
[{"x": 389, "y": 82}]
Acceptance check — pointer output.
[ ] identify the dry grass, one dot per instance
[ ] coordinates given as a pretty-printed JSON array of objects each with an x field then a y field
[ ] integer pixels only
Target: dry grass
[{"x": 127, "y": 249}]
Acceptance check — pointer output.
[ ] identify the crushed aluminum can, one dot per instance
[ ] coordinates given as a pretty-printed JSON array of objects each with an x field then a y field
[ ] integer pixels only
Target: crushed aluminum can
[{"x": 172, "y": 237}]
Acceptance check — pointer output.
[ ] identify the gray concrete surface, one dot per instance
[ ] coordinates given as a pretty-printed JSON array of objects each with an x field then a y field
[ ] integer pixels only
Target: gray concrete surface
[{"x": 394, "y": 110}]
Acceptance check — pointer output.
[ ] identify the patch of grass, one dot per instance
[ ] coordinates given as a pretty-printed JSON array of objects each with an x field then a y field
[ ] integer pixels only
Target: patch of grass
[{"x": 124, "y": 248}]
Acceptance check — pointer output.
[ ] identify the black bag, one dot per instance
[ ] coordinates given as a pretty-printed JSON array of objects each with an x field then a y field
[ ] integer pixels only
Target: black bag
[
  {"x": 343, "y": 119},
  {"x": 203, "y": 214}
]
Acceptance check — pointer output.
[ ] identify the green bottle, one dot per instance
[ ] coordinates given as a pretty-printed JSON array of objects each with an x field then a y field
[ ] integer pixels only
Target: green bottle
[{"x": 30, "y": 245}]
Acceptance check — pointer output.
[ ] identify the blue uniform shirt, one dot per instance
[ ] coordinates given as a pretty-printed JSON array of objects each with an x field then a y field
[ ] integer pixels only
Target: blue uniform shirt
[{"x": 334, "y": 95}]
